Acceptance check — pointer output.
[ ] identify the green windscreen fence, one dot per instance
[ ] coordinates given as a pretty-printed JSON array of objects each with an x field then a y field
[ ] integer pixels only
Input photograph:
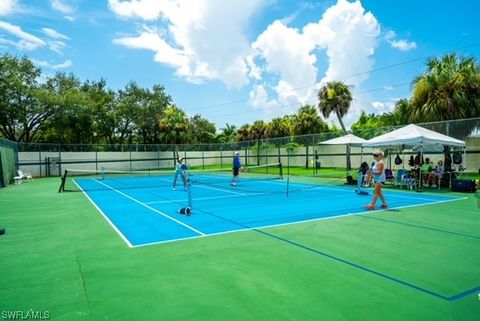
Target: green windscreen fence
[{"x": 8, "y": 156}]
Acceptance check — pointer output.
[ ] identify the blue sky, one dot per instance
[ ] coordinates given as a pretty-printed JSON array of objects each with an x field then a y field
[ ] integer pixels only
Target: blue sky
[{"x": 237, "y": 61}]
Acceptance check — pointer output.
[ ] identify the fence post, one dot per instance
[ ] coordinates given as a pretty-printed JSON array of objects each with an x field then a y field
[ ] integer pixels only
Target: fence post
[{"x": 59, "y": 159}]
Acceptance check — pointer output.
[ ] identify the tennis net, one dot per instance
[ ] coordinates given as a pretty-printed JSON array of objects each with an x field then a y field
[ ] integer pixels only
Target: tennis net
[{"x": 89, "y": 180}]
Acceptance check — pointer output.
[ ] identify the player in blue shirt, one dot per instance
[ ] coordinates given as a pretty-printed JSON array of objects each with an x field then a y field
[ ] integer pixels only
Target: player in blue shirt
[{"x": 236, "y": 168}]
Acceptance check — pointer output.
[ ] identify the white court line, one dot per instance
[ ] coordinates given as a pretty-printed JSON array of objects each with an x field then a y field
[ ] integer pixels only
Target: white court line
[
  {"x": 215, "y": 189},
  {"x": 106, "y": 217},
  {"x": 348, "y": 189},
  {"x": 205, "y": 198},
  {"x": 151, "y": 208},
  {"x": 298, "y": 222}
]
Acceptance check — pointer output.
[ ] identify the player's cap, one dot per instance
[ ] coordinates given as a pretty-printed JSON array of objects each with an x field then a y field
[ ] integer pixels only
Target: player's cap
[{"x": 237, "y": 153}]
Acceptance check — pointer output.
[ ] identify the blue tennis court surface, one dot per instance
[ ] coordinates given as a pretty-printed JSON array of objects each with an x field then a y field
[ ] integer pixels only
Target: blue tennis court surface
[{"x": 149, "y": 214}]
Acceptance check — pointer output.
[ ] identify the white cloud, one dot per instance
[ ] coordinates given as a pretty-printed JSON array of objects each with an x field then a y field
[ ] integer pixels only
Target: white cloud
[
  {"x": 383, "y": 107},
  {"x": 56, "y": 46},
  {"x": 403, "y": 45},
  {"x": 206, "y": 40},
  {"x": 58, "y": 5},
  {"x": 202, "y": 40},
  {"x": 46, "y": 64},
  {"x": 389, "y": 35},
  {"x": 7, "y": 7},
  {"x": 347, "y": 33},
  {"x": 54, "y": 34},
  {"x": 26, "y": 40},
  {"x": 143, "y": 9}
]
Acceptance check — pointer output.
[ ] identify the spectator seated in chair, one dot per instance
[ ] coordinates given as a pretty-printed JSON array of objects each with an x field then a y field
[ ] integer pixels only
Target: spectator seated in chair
[
  {"x": 425, "y": 169},
  {"x": 435, "y": 175}
]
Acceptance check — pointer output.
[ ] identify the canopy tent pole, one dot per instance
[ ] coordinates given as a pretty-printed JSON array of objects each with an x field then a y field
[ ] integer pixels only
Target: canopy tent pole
[
  {"x": 420, "y": 169},
  {"x": 465, "y": 157}
]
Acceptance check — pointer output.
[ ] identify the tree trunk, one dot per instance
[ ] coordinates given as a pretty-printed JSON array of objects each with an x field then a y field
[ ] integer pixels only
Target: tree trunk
[{"x": 349, "y": 163}]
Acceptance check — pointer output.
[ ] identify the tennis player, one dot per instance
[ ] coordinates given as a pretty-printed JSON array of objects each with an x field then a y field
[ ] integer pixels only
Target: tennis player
[
  {"x": 378, "y": 172},
  {"x": 180, "y": 169},
  {"x": 236, "y": 168}
]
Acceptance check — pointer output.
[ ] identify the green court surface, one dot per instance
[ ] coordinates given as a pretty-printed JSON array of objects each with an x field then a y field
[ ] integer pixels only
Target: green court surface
[{"x": 416, "y": 263}]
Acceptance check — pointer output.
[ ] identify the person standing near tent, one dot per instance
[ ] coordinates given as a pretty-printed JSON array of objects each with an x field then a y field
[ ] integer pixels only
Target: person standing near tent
[
  {"x": 236, "y": 168},
  {"x": 378, "y": 172}
]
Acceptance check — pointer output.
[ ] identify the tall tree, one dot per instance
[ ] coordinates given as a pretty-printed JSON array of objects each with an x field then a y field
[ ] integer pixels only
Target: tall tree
[
  {"x": 150, "y": 106},
  {"x": 73, "y": 121},
  {"x": 227, "y": 134},
  {"x": 21, "y": 113},
  {"x": 308, "y": 121},
  {"x": 279, "y": 127},
  {"x": 244, "y": 133},
  {"x": 258, "y": 130},
  {"x": 448, "y": 89},
  {"x": 101, "y": 102},
  {"x": 335, "y": 97},
  {"x": 174, "y": 126},
  {"x": 201, "y": 130}
]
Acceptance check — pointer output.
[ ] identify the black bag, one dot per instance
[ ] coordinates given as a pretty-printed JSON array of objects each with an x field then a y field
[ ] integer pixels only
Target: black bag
[
  {"x": 398, "y": 160},
  {"x": 411, "y": 162},
  {"x": 363, "y": 168},
  {"x": 351, "y": 181},
  {"x": 464, "y": 185},
  {"x": 457, "y": 158}
]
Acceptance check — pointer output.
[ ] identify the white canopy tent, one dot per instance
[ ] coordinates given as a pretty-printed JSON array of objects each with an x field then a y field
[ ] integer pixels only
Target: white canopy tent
[
  {"x": 348, "y": 140},
  {"x": 415, "y": 138}
]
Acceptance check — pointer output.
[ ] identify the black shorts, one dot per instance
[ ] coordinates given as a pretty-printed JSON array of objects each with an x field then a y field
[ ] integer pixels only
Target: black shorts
[{"x": 235, "y": 171}]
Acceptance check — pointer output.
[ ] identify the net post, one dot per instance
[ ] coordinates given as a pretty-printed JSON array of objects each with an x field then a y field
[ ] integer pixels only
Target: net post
[
  {"x": 288, "y": 184},
  {"x": 62, "y": 184},
  {"x": 189, "y": 191}
]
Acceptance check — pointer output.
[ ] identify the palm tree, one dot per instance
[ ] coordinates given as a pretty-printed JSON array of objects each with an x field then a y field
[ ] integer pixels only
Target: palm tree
[
  {"x": 174, "y": 127},
  {"x": 278, "y": 127},
  {"x": 307, "y": 121},
  {"x": 228, "y": 134},
  {"x": 448, "y": 89},
  {"x": 335, "y": 97},
  {"x": 244, "y": 133}
]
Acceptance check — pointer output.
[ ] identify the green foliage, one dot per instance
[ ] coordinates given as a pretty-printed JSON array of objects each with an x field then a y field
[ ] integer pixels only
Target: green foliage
[
  {"x": 228, "y": 134},
  {"x": 201, "y": 130},
  {"x": 22, "y": 114},
  {"x": 308, "y": 121},
  {"x": 448, "y": 89},
  {"x": 174, "y": 126}
]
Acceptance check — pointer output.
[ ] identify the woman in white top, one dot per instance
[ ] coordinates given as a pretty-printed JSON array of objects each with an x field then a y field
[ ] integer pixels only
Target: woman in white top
[
  {"x": 180, "y": 170},
  {"x": 378, "y": 172}
]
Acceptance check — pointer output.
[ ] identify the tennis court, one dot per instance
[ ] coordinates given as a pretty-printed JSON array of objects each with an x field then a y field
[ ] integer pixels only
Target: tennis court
[
  {"x": 119, "y": 249},
  {"x": 145, "y": 210}
]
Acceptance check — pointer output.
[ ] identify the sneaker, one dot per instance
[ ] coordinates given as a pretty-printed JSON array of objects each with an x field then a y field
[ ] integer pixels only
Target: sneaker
[
  {"x": 234, "y": 184},
  {"x": 434, "y": 186},
  {"x": 369, "y": 207},
  {"x": 384, "y": 206},
  {"x": 174, "y": 188}
]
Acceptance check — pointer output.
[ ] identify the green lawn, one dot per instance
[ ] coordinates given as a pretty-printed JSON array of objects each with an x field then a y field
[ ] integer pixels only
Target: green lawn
[{"x": 60, "y": 255}]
